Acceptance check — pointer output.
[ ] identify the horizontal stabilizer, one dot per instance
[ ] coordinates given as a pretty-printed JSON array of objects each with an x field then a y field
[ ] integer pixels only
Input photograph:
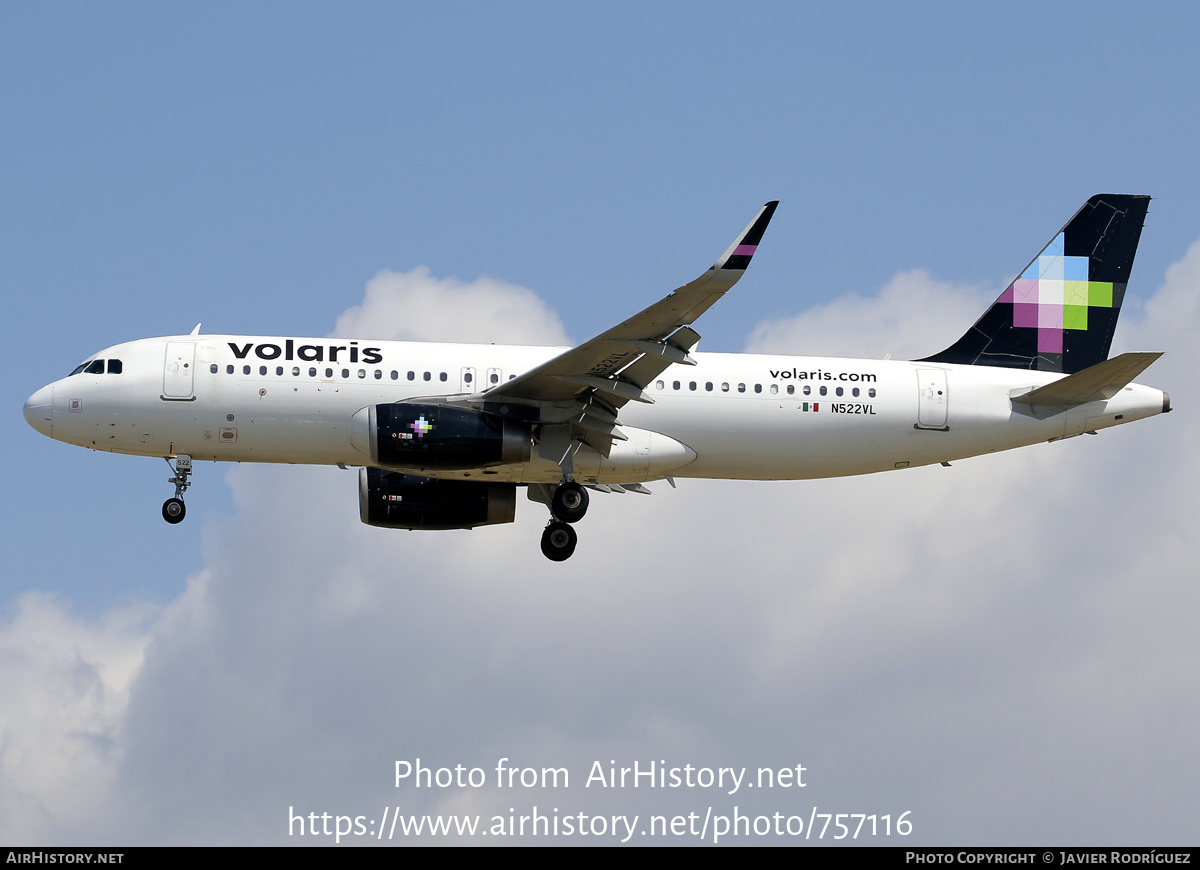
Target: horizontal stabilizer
[{"x": 1101, "y": 381}]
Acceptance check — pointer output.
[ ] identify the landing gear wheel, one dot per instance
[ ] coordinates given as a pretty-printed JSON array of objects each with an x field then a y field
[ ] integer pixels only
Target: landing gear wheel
[
  {"x": 558, "y": 541},
  {"x": 174, "y": 510},
  {"x": 570, "y": 502}
]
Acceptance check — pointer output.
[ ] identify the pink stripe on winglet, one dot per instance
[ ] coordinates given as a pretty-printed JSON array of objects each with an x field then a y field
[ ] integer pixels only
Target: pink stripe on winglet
[{"x": 745, "y": 250}]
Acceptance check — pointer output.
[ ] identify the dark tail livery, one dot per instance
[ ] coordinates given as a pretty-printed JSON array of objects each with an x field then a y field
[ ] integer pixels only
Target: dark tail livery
[{"x": 1060, "y": 313}]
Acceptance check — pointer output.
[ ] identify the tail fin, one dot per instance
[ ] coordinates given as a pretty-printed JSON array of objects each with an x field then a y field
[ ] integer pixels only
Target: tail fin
[{"x": 1060, "y": 313}]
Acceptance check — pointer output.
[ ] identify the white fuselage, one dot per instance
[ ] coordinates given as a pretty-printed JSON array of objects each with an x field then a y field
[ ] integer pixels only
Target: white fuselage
[{"x": 744, "y": 416}]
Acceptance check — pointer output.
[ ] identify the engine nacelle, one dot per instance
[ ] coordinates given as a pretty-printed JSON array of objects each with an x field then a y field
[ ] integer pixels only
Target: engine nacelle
[
  {"x": 405, "y": 501},
  {"x": 405, "y": 435}
]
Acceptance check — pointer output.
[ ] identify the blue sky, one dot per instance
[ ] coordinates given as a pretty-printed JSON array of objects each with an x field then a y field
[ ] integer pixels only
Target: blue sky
[{"x": 254, "y": 166}]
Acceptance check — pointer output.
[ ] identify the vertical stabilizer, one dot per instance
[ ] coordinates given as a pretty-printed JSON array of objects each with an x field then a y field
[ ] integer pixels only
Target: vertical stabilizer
[{"x": 1059, "y": 315}]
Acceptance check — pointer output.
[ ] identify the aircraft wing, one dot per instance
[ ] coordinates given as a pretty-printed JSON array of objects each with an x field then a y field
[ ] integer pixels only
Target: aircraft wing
[{"x": 619, "y": 363}]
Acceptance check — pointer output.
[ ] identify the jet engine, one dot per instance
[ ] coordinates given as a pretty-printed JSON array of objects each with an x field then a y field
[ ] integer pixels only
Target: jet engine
[
  {"x": 404, "y": 501},
  {"x": 404, "y": 435}
]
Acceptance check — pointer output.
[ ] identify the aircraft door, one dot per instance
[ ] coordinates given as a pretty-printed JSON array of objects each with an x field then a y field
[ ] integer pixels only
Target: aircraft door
[
  {"x": 468, "y": 382},
  {"x": 179, "y": 370},
  {"x": 933, "y": 402}
]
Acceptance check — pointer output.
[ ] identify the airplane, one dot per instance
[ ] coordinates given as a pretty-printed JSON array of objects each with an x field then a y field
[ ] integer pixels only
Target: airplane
[{"x": 444, "y": 434}]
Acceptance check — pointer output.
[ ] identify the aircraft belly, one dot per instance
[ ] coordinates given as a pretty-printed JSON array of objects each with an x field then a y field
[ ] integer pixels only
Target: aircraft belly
[
  {"x": 239, "y": 425},
  {"x": 766, "y": 439},
  {"x": 645, "y": 456}
]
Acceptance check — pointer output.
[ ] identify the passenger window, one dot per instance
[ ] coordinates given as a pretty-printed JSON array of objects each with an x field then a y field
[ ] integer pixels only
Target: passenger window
[
  {"x": 262, "y": 370},
  {"x": 871, "y": 392},
  {"x": 312, "y": 372},
  {"x": 395, "y": 375},
  {"x": 329, "y": 373},
  {"x": 824, "y": 391},
  {"x": 345, "y": 373},
  {"x": 95, "y": 368},
  {"x": 838, "y": 391},
  {"x": 708, "y": 386},
  {"x": 378, "y": 374},
  {"x": 412, "y": 376},
  {"x": 658, "y": 385},
  {"x": 428, "y": 376},
  {"x": 758, "y": 388},
  {"x": 807, "y": 390},
  {"x": 362, "y": 373},
  {"x": 774, "y": 389},
  {"x": 114, "y": 367},
  {"x": 674, "y": 385},
  {"x": 725, "y": 387},
  {"x": 245, "y": 370},
  {"x": 228, "y": 369},
  {"x": 854, "y": 392},
  {"x": 495, "y": 378},
  {"x": 295, "y": 371},
  {"x": 279, "y": 370},
  {"x": 466, "y": 378},
  {"x": 791, "y": 389},
  {"x": 741, "y": 388},
  {"x": 212, "y": 369},
  {"x": 692, "y": 385},
  {"x": 442, "y": 376}
]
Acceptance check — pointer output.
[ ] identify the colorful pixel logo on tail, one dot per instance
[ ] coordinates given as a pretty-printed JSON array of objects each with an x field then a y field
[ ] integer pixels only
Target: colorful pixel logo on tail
[{"x": 1060, "y": 314}]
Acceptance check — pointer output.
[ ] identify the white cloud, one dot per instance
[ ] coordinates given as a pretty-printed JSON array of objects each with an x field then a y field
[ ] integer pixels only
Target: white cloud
[
  {"x": 1003, "y": 647},
  {"x": 415, "y": 306},
  {"x": 910, "y": 317},
  {"x": 65, "y": 682}
]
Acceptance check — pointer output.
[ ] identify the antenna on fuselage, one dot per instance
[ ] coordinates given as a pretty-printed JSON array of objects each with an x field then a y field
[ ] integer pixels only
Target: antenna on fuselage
[{"x": 195, "y": 330}]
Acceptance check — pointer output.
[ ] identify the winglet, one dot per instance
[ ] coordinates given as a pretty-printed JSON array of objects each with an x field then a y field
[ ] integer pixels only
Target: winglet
[{"x": 739, "y": 253}]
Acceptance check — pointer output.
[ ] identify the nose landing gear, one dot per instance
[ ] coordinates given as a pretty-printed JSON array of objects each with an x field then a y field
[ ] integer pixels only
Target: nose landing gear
[{"x": 173, "y": 509}]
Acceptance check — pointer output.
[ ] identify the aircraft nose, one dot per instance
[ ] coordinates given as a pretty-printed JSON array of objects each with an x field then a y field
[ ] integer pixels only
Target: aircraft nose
[{"x": 38, "y": 408}]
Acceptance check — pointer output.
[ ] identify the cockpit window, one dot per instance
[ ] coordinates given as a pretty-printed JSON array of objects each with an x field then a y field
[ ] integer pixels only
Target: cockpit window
[
  {"x": 114, "y": 366},
  {"x": 96, "y": 367},
  {"x": 80, "y": 368}
]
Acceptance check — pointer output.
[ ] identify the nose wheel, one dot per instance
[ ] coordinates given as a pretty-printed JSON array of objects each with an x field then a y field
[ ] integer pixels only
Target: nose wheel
[{"x": 173, "y": 509}]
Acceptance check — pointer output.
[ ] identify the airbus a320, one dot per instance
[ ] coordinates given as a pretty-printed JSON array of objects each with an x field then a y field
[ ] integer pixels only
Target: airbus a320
[{"x": 445, "y": 434}]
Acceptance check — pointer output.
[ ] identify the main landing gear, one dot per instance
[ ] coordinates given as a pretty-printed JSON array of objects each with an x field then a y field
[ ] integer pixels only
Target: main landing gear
[
  {"x": 173, "y": 509},
  {"x": 558, "y": 541},
  {"x": 568, "y": 505}
]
